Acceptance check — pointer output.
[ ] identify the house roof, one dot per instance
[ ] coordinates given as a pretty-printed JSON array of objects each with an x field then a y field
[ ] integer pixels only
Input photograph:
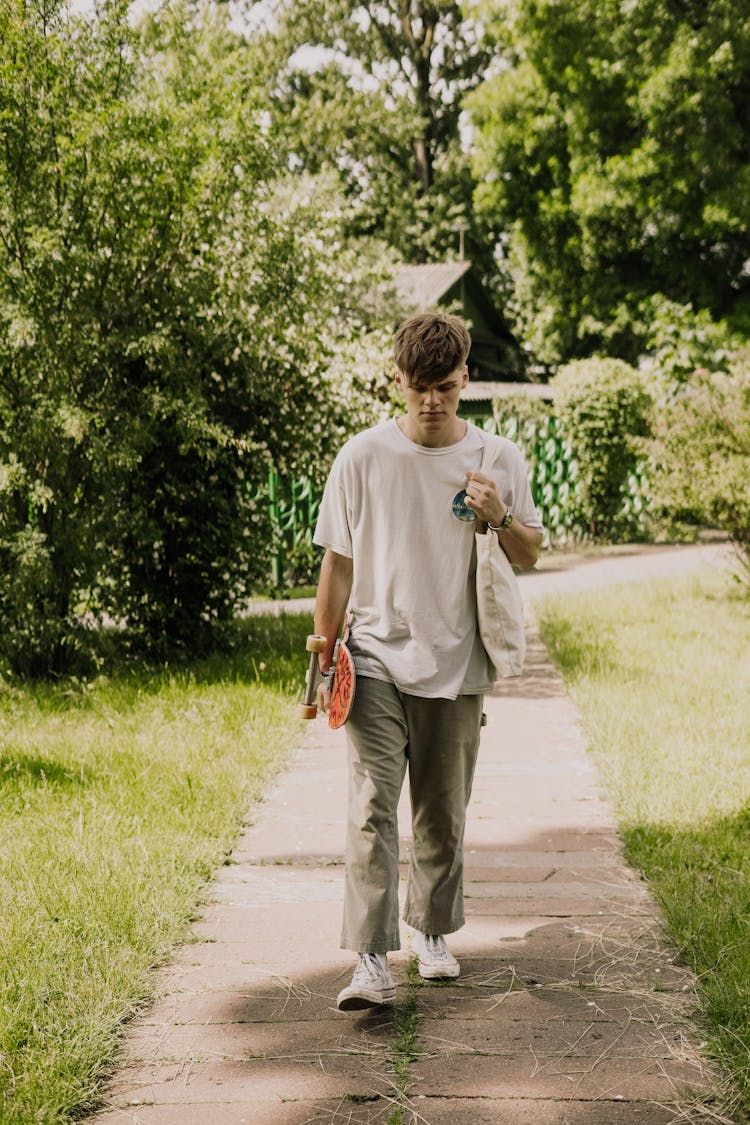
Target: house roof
[
  {"x": 424, "y": 285},
  {"x": 479, "y": 390}
]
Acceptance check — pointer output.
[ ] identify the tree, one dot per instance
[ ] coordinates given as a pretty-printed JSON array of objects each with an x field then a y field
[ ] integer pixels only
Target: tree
[
  {"x": 375, "y": 91},
  {"x": 613, "y": 151},
  {"x": 166, "y": 323}
]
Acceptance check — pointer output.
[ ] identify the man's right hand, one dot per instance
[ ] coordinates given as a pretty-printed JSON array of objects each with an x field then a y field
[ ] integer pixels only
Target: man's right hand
[
  {"x": 331, "y": 601},
  {"x": 323, "y": 695}
]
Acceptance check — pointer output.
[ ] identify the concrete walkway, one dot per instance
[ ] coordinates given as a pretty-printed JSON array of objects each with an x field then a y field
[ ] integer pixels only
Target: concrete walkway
[{"x": 569, "y": 1009}]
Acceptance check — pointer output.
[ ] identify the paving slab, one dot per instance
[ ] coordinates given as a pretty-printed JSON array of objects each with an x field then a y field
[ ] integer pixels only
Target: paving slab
[
  {"x": 571, "y": 1008},
  {"x": 305, "y": 1077},
  {"x": 496, "y": 1036},
  {"x": 560, "y": 1005},
  {"x": 538, "y": 1111},
  {"x": 537, "y": 1074},
  {"x": 256, "y": 1040},
  {"x": 302, "y": 1111}
]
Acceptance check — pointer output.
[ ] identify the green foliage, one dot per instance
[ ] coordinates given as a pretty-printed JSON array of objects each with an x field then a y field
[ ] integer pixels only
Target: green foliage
[
  {"x": 605, "y": 408},
  {"x": 702, "y": 452},
  {"x": 169, "y": 301},
  {"x": 375, "y": 93},
  {"x": 612, "y": 155},
  {"x": 701, "y": 878},
  {"x": 679, "y": 340}
]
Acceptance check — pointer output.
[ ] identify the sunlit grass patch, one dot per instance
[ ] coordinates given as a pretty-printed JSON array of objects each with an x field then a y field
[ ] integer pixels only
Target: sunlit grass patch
[
  {"x": 117, "y": 800},
  {"x": 661, "y": 674}
]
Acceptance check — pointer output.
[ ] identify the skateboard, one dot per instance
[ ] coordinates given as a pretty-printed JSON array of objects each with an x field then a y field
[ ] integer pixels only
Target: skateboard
[{"x": 341, "y": 679}]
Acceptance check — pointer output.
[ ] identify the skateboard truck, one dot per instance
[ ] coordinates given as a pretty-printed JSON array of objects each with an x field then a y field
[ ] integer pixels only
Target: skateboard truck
[{"x": 315, "y": 644}]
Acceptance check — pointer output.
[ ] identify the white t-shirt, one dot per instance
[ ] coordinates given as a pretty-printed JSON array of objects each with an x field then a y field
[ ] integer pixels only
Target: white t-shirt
[{"x": 388, "y": 506}]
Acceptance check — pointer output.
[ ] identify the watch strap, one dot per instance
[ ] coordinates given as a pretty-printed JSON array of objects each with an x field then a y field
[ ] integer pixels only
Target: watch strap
[{"x": 505, "y": 522}]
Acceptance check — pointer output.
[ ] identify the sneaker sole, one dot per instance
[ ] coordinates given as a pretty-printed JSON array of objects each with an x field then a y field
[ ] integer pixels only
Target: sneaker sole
[
  {"x": 430, "y": 972},
  {"x": 357, "y": 1001}
]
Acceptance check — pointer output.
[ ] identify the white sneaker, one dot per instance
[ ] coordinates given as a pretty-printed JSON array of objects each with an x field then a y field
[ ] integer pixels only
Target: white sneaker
[
  {"x": 372, "y": 984},
  {"x": 436, "y": 962}
]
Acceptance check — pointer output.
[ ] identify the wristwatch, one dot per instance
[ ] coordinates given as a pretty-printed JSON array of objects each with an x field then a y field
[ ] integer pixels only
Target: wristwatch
[{"x": 505, "y": 522}]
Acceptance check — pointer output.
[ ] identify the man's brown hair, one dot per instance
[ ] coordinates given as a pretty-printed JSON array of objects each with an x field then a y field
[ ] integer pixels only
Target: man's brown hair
[{"x": 430, "y": 346}]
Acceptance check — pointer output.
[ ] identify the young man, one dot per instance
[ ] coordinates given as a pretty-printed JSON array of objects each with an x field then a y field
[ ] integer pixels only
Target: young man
[{"x": 397, "y": 522}]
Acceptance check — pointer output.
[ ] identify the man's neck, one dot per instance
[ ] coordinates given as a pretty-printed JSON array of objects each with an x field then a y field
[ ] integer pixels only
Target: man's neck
[{"x": 454, "y": 431}]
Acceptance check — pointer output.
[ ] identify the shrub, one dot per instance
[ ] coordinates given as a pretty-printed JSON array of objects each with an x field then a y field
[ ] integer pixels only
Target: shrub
[
  {"x": 702, "y": 453},
  {"x": 169, "y": 303},
  {"x": 604, "y": 408}
]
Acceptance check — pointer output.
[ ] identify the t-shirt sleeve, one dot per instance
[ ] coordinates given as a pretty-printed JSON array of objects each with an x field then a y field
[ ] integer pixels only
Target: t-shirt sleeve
[{"x": 332, "y": 529}]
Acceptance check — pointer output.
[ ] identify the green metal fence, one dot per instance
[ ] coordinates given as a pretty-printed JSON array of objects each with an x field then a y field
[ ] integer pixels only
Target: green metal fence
[
  {"x": 553, "y": 469},
  {"x": 554, "y": 472},
  {"x": 293, "y": 507}
]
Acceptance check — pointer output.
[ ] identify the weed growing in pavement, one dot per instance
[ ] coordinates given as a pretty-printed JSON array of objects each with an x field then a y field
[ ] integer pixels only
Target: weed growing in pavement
[{"x": 406, "y": 1047}]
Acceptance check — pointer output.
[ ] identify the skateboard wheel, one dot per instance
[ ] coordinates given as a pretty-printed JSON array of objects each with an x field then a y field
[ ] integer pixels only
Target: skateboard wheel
[
  {"x": 307, "y": 710},
  {"x": 315, "y": 643}
]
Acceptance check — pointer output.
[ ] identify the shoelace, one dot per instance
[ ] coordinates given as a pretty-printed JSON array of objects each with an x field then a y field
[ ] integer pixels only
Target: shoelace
[
  {"x": 436, "y": 947},
  {"x": 368, "y": 970}
]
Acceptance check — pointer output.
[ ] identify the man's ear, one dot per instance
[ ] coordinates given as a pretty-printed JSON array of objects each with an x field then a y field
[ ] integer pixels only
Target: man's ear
[
  {"x": 400, "y": 380},
  {"x": 465, "y": 376}
]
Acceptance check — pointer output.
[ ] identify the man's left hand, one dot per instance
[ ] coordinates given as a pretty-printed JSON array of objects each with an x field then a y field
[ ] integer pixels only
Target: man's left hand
[{"x": 483, "y": 497}]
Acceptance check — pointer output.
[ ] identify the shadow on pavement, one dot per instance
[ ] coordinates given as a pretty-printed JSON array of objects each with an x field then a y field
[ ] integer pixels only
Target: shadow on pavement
[{"x": 569, "y": 1008}]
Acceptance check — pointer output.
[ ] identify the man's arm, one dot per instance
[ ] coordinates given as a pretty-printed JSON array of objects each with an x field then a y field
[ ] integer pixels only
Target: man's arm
[
  {"x": 331, "y": 600},
  {"x": 520, "y": 543}
]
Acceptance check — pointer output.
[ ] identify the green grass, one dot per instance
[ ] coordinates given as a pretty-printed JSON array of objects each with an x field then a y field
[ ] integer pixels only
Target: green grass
[
  {"x": 661, "y": 674},
  {"x": 118, "y": 798}
]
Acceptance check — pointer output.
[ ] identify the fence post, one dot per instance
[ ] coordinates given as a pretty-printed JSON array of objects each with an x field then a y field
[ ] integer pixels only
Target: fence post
[{"x": 277, "y": 560}]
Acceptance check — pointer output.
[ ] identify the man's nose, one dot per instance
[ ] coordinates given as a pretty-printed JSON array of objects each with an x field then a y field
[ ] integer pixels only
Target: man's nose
[{"x": 431, "y": 395}]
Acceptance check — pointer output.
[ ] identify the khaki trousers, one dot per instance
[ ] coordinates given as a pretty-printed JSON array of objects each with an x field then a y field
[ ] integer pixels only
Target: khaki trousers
[{"x": 438, "y": 739}]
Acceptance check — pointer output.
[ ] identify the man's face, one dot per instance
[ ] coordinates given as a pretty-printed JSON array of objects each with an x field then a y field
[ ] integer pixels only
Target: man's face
[{"x": 433, "y": 404}]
